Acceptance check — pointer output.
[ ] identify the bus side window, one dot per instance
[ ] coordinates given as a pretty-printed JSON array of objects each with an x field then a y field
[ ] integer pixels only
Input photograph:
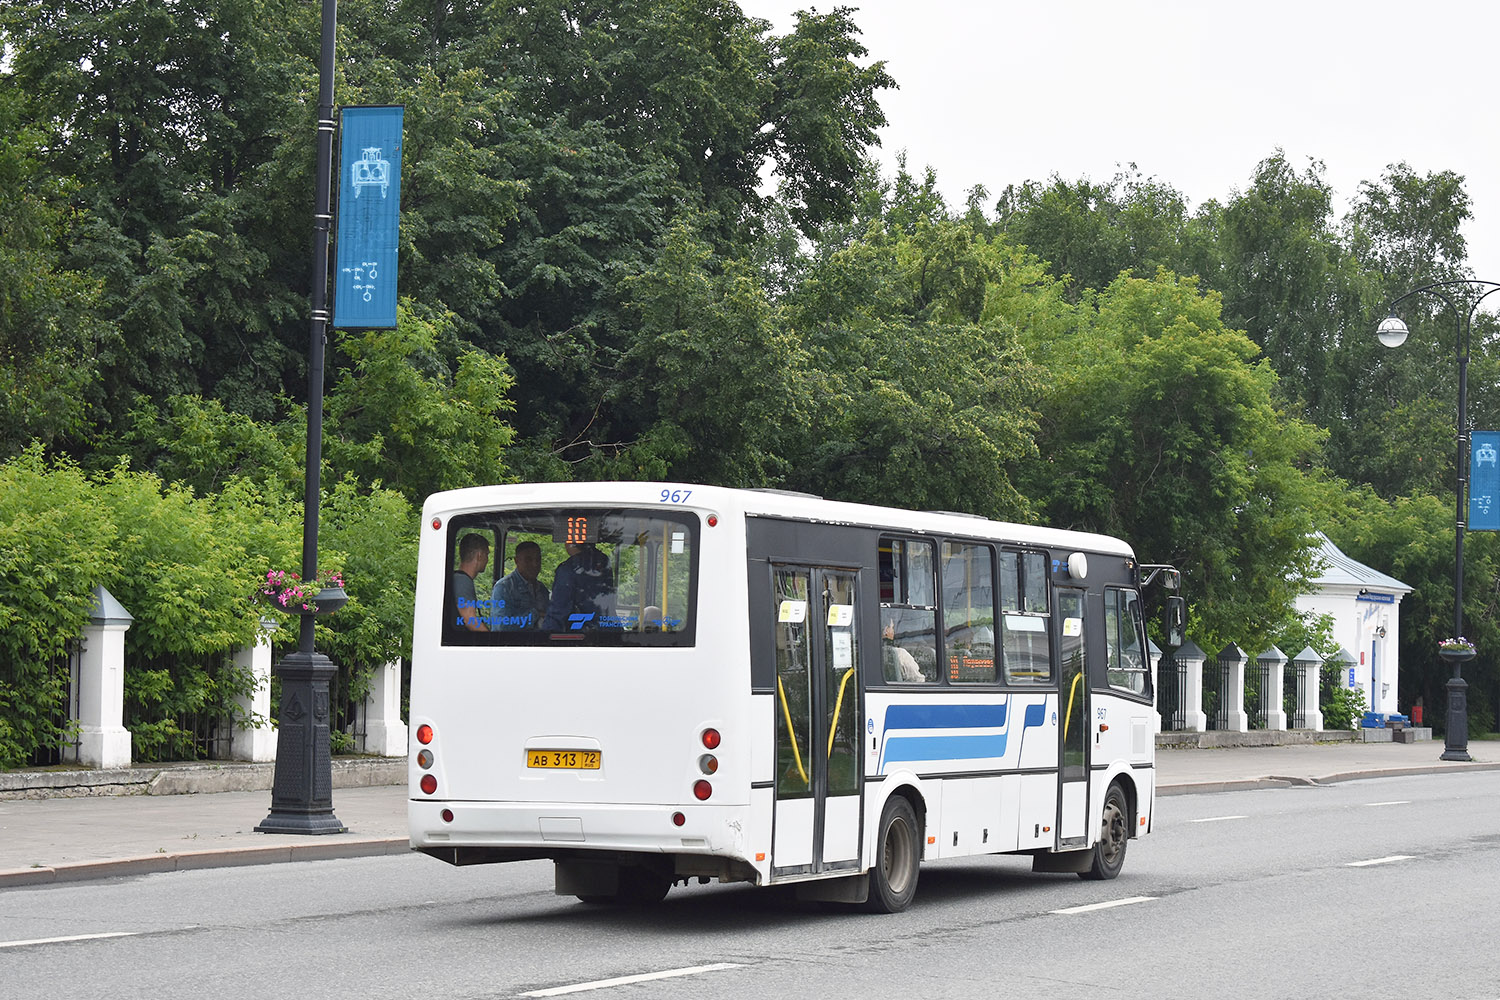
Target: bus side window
[
  {"x": 1026, "y": 644},
  {"x": 969, "y": 612},
  {"x": 908, "y": 613},
  {"x": 1126, "y": 663}
]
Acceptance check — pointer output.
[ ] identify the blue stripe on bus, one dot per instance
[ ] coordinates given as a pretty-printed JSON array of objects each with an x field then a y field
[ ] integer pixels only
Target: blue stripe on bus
[
  {"x": 945, "y": 716},
  {"x": 1036, "y": 715},
  {"x": 919, "y": 748}
]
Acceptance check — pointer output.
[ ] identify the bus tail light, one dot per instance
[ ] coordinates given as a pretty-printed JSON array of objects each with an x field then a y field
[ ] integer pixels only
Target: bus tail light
[
  {"x": 424, "y": 734},
  {"x": 678, "y": 819},
  {"x": 711, "y": 739},
  {"x": 429, "y": 783},
  {"x": 701, "y": 789},
  {"x": 424, "y": 759},
  {"x": 708, "y": 763},
  {"x": 447, "y": 815}
]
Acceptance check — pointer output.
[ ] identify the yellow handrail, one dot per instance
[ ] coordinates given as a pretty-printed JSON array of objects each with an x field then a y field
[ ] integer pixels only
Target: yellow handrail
[
  {"x": 836, "y": 708},
  {"x": 1072, "y": 693},
  {"x": 787, "y": 711}
]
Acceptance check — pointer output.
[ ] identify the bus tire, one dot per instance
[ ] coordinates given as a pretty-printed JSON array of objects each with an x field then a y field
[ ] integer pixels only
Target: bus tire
[
  {"x": 898, "y": 848},
  {"x": 1114, "y": 835}
]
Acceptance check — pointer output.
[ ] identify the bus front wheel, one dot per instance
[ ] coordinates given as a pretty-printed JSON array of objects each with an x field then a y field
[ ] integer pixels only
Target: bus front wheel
[
  {"x": 1114, "y": 834},
  {"x": 893, "y": 877}
]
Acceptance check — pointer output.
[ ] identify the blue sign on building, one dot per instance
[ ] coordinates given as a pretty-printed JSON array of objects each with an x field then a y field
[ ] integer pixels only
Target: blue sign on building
[
  {"x": 364, "y": 289},
  {"x": 1484, "y": 481}
]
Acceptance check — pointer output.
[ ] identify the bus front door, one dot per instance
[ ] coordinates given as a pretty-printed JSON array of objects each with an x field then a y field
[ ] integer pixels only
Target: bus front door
[
  {"x": 817, "y": 721},
  {"x": 1074, "y": 724}
]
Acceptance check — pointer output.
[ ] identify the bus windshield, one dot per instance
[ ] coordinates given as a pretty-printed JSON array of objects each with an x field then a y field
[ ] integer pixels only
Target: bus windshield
[{"x": 571, "y": 575}]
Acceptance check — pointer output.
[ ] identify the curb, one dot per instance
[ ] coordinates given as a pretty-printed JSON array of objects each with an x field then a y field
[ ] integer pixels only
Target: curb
[
  {"x": 1282, "y": 781},
  {"x": 233, "y": 857}
]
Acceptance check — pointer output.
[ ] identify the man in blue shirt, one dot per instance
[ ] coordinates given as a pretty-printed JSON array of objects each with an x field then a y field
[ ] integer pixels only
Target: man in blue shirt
[{"x": 519, "y": 599}]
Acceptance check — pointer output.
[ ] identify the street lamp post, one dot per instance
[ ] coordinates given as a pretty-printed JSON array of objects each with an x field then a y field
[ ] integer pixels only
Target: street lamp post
[
  {"x": 302, "y": 788},
  {"x": 1392, "y": 333}
]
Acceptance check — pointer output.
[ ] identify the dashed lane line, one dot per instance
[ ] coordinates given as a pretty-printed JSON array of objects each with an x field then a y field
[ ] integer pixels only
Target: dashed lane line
[
  {"x": 1379, "y": 861},
  {"x": 1105, "y": 906},
  {"x": 646, "y": 977},
  {"x": 70, "y": 937}
]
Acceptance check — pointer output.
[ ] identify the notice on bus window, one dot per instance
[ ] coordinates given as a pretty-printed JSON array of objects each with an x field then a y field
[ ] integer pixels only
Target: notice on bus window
[
  {"x": 679, "y": 540},
  {"x": 1072, "y": 627},
  {"x": 792, "y": 612},
  {"x": 843, "y": 650},
  {"x": 840, "y": 615}
]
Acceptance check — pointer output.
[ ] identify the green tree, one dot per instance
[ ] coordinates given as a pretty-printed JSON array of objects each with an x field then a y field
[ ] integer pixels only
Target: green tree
[
  {"x": 401, "y": 418},
  {"x": 51, "y": 332},
  {"x": 714, "y": 379},
  {"x": 921, "y": 394},
  {"x": 1164, "y": 430}
]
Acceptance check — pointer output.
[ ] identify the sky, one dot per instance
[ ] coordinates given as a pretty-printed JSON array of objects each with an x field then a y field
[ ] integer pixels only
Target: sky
[{"x": 1195, "y": 93}]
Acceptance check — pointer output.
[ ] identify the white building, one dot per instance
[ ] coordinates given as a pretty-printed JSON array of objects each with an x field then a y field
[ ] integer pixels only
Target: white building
[{"x": 1364, "y": 605}]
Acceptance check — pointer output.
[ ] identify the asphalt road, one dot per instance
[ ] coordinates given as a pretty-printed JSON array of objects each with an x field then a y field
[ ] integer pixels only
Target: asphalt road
[{"x": 1379, "y": 887}]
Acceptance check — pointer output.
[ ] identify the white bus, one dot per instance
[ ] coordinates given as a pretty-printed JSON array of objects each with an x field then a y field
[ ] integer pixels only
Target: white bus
[{"x": 772, "y": 688}]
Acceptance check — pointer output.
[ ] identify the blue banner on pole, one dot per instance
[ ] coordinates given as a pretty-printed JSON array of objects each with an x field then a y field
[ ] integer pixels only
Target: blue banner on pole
[
  {"x": 1484, "y": 481},
  {"x": 364, "y": 293}
]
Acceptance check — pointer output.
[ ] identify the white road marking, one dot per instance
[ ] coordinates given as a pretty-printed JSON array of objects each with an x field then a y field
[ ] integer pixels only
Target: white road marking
[
  {"x": 71, "y": 937},
  {"x": 1105, "y": 906},
  {"x": 1397, "y": 802},
  {"x": 1379, "y": 861},
  {"x": 646, "y": 977},
  {"x": 1216, "y": 819}
]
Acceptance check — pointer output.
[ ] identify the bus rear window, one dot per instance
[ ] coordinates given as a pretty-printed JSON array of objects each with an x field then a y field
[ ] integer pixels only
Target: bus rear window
[{"x": 559, "y": 576}]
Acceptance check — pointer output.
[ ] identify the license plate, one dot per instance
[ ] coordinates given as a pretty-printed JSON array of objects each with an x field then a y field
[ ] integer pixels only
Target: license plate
[{"x": 576, "y": 760}]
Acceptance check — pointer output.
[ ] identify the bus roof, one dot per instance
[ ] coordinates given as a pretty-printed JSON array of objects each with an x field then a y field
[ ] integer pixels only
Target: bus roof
[{"x": 764, "y": 503}]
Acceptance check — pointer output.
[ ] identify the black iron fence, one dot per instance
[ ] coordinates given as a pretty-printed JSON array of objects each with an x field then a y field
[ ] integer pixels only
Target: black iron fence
[
  {"x": 180, "y": 708},
  {"x": 1171, "y": 692},
  {"x": 1257, "y": 693},
  {"x": 63, "y": 748}
]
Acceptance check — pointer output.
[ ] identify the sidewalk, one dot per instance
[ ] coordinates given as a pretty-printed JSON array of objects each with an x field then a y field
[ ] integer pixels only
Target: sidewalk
[{"x": 52, "y": 840}]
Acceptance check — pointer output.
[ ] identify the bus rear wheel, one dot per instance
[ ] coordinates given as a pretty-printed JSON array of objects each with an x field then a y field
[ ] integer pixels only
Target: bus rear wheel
[
  {"x": 893, "y": 877},
  {"x": 1114, "y": 834}
]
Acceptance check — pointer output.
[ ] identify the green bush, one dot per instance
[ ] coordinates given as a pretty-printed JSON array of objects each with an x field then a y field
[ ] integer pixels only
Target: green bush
[
  {"x": 1342, "y": 707},
  {"x": 54, "y": 549}
]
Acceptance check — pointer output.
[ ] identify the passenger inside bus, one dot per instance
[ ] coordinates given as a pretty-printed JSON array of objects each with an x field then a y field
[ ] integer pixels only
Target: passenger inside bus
[
  {"x": 473, "y": 556},
  {"x": 519, "y": 599},
  {"x": 582, "y": 590},
  {"x": 898, "y": 663}
]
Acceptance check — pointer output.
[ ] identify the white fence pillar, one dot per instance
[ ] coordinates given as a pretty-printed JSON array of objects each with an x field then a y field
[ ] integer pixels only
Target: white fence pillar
[
  {"x": 1190, "y": 661},
  {"x": 254, "y": 736},
  {"x": 103, "y": 740},
  {"x": 1232, "y": 660},
  {"x": 1273, "y": 662},
  {"x": 1309, "y": 682},
  {"x": 385, "y": 733}
]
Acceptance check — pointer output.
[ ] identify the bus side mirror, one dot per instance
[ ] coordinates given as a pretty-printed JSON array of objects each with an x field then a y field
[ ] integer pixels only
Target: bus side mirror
[{"x": 1176, "y": 621}]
